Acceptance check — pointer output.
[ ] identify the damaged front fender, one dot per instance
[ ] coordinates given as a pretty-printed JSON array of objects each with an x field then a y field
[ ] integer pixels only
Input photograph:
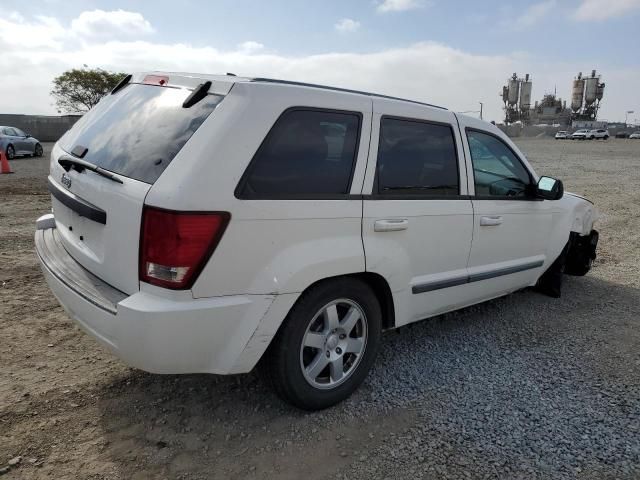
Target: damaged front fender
[{"x": 584, "y": 214}]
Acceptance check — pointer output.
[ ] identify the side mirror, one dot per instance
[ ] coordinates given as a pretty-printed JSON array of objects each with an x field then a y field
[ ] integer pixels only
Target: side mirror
[
  {"x": 549, "y": 188},
  {"x": 26, "y": 135}
]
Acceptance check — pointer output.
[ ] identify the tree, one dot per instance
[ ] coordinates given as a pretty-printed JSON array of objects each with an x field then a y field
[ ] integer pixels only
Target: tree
[{"x": 78, "y": 90}]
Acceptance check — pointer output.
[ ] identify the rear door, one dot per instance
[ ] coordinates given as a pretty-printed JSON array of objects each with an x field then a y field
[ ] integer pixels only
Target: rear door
[
  {"x": 511, "y": 227},
  {"x": 134, "y": 133},
  {"x": 417, "y": 218}
]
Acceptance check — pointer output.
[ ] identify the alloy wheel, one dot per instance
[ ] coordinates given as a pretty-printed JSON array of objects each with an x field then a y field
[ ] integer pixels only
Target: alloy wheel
[{"x": 333, "y": 344}]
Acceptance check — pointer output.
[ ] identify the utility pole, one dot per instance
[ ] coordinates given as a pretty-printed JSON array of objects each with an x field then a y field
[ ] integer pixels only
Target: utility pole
[{"x": 480, "y": 110}]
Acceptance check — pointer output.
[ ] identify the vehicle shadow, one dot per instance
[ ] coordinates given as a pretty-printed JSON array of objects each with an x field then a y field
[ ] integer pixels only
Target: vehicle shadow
[{"x": 206, "y": 426}]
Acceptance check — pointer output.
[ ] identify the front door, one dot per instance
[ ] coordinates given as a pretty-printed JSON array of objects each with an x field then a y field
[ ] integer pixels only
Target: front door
[
  {"x": 511, "y": 227},
  {"x": 417, "y": 220}
]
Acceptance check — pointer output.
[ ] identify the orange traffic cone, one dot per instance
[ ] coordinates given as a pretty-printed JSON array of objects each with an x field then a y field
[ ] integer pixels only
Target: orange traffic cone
[{"x": 4, "y": 163}]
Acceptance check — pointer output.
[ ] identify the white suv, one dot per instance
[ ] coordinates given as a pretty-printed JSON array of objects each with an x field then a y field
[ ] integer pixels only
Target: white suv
[
  {"x": 580, "y": 134},
  {"x": 205, "y": 223},
  {"x": 598, "y": 134}
]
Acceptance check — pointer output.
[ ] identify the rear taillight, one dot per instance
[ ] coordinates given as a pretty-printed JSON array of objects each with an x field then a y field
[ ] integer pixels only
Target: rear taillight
[{"x": 175, "y": 246}]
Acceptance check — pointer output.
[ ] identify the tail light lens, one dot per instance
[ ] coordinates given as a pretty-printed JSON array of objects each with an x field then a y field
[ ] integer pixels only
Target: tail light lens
[{"x": 175, "y": 246}]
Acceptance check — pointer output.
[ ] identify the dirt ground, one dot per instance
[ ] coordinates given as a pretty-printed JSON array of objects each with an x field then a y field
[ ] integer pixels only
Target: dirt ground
[{"x": 69, "y": 409}]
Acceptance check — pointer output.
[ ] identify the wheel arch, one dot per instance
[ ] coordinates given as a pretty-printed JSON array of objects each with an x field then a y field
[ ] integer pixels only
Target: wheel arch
[
  {"x": 271, "y": 324},
  {"x": 380, "y": 288}
]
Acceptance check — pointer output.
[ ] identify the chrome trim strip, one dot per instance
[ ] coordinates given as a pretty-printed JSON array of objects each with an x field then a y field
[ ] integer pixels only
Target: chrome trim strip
[{"x": 476, "y": 277}]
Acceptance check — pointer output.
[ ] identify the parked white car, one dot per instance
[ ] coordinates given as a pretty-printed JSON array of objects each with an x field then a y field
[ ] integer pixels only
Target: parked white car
[
  {"x": 580, "y": 134},
  {"x": 635, "y": 135},
  {"x": 561, "y": 135},
  {"x": 205, "y": 223},
  {"x": 598, "y": 134}
]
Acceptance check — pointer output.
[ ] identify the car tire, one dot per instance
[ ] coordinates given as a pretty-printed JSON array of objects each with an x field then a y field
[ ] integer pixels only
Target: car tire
[
  {"x": 10, "y": 152},
  {"x": 606, "y": 137},
  {"x": 37, "y": 151},
  {"x": 581, "y": 254},
  {"x": 330, "y": 336}
]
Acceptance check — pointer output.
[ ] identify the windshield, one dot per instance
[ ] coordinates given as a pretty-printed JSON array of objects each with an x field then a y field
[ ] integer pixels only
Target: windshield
[{"x": 139, "y": 130}]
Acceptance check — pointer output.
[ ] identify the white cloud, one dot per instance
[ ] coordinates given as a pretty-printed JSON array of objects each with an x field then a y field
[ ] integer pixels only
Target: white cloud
[
  {"x": 347, "y": 25},
  {"x": 250, "y": 47},
  {"x": 99, "y": 24},
  {"x": 43, "y": 32},
  {"x": 399, "y": 5},
  {"x": 429, "y": 72},
  {"x": 533, "y": 14},
  {"x": 599, "y": 10}
]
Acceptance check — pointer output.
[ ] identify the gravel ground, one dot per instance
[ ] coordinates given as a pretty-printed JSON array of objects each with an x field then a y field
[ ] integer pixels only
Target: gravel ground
[{"x": 520, "y": 387}]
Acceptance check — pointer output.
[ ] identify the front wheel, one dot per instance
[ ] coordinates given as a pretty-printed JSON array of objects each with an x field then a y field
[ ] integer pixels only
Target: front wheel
[
  {"x": 326, "y": 345},
  {"x": 37, "y": 152},
  {"x": 606, "y": 137}
]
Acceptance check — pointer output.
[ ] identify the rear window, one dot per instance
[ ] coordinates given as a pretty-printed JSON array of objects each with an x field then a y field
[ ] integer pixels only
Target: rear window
[
  {"x": 307, "y": 152},
  {"x": 139, "y": 130}
]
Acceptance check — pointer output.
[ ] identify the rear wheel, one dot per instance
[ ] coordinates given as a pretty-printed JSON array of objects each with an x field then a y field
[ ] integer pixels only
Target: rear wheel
[
  {"x": 37, "y": 152},
  {"x": 606, "y": 137},
  {"x": 11, "y": 152},
  {"x": 326, "y": 345}
]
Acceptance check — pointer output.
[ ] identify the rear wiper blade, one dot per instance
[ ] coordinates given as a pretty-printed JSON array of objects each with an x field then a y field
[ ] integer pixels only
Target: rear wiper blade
[{"x": 79, "y": 165}]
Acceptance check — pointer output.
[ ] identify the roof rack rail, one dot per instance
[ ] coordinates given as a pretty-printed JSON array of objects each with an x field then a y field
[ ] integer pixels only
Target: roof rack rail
[{"x": 338, "y": 89}]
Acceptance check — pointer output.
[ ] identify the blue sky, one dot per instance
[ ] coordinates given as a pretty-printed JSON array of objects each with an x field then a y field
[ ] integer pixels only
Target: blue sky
[{"x": 450, "y": 52}]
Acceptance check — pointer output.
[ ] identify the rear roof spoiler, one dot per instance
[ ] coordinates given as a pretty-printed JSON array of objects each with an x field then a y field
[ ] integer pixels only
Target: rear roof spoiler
[{"x": 220, "y": 84}]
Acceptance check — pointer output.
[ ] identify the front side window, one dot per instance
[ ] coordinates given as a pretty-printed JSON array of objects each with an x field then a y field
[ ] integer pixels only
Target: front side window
[
  {"x": 307, "y": 152},
  {"x": 19, "y": 132},
  {"x": 496, "y": 169},
  {"x": 416, "y": 158}
]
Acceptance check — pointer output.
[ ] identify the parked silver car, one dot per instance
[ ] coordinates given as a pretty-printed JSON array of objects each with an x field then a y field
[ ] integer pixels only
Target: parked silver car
[{"x": 14, "y": 141}]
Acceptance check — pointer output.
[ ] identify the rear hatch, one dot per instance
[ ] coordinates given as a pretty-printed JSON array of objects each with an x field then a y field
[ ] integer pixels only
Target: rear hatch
[{"x": 133, "y": 135}]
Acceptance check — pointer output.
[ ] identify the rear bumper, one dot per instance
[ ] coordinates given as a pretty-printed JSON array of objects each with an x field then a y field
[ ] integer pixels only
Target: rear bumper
[{"x": 155, "y": 333}]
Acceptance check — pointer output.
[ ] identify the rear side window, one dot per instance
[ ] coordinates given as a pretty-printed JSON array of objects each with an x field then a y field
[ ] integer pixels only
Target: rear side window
[
  {"x": 307, "y": 152},
  {"x": 139, "y": 130},
  {"x": 417, "y": 158}
]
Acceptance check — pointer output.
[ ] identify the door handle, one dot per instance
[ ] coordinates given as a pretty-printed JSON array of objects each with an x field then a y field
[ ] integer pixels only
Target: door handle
[
  {"x": 391, "y": 225},
  {"x": 490, "y": 221}
]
